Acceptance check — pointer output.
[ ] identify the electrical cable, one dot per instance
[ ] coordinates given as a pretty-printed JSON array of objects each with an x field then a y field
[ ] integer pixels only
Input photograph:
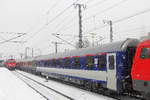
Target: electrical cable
[
  {"x": 12, "y": 38},
  {"x": 64, "y": 21},
  {"x": 122, "y": 19},
  {"x": 53, "y": 6},
  {"x": 136, "y": 14},
  {"x": 61, "y": 12},
  {"x": 64, "y": 41},
  {"x": 109, "y": 8},
  {"x": 53, "y": 19},
  {"x": 97, "y": 3}
]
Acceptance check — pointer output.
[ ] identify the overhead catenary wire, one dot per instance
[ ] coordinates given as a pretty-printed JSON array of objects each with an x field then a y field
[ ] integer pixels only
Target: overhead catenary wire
[
  {"x": 95, "y": 15},
  {"x": 64, "y": 40},
  {"x": 12, "y": 38},
  {"x": 136, "y": 14},
  {"x": 122, "y": 19},
  {"x": 44, "y": 26},
  {"x": 61, "y": 12},
  {"x": 61, "y": 29},
  {"x": 53, "y": 6},
  {"x": 88, "y": 1},
  {"x": 109, "y": 8},
  {"x": 35, "y": 33},
  {"x": 97, "y": 4},
  {"x": 134, "y": 29},
  {"x": 68, "y": 27},
  {"x": 63, "y": 21}
]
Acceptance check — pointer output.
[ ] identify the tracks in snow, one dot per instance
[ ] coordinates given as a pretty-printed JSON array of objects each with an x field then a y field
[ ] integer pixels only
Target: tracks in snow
[{"x": 45, "y": 91}]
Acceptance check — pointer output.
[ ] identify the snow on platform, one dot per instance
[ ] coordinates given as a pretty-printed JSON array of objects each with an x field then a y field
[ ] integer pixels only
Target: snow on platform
[
  {"x": 12, "y": 88},
  {"x": 76, "y": 93}
]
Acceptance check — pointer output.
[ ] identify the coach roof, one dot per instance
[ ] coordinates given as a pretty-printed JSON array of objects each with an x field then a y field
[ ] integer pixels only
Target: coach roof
[{"x": 110, "y": 47}]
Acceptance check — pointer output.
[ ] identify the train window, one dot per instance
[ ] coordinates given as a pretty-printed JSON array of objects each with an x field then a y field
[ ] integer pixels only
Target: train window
[
  {"x": 89, "y": 62},
  {"x": 67, "y": 62},
  {"x": 61, "y": 63},
  {"x": 77, "y": 62},
  {"x": 58, "y": 62},
  {"x": 111, "y": 62},
  {"x": 101, "y": 61},
  {"x": 145, "y": 53},
  {"x": 47, "y": 63},
  {"x": 53, "y": 62}
]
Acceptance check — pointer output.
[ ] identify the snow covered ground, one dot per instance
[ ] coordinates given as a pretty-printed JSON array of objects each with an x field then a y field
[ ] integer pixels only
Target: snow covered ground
[
  {"x": 12, "y": 88},
  {"x": 76, "y": 93}
]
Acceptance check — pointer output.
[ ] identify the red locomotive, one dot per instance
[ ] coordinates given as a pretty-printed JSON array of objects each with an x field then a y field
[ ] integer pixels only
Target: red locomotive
[
  {"x": 10, "y": 64},
  {"x": 141, "y": 68}
]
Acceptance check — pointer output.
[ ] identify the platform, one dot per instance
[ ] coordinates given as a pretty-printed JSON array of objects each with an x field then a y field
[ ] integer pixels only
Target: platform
[{"x": 12, "y": 88}]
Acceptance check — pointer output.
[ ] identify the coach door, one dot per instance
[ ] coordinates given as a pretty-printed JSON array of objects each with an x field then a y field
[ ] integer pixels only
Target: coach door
[{"x": 111, "y": 71}]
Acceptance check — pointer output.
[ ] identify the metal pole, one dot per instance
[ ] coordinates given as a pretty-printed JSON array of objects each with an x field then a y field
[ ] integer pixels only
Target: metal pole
[
  {"x": 25, "y": 52},
  {"x": 32, "y": 53},
  {"x": 109, "y": 22},
  {"x": 56, "y": 47},
  {"x": 80, "y": 24},
  {"x": 21, "y": 55},
  {"x": 111, "y": 31},
  {"x": 80, "y": 27}
]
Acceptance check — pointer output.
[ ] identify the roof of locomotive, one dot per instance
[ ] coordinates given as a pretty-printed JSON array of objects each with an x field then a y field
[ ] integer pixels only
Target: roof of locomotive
[
  {"x": 25, "y": 60},
  {"x": 144, "y": 43},
  {"x": 110, "y": 47}
]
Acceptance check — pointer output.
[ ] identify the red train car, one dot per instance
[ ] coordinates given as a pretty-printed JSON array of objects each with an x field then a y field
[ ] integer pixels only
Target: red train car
[
  {"x": 141, "y": 68},
  {"x": 10, "y": 64}
]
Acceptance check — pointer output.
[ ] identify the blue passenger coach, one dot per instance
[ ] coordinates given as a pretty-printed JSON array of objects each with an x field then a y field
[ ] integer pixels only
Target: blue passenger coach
[{"x": 107, "y": 66}]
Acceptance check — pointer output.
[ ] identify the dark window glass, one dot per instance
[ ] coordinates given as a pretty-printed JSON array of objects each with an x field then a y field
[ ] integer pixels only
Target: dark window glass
[
  {"x": 101, "y": 62},
  {"x": 53, "y": 62},
  {"x": 47, "y": 63},
  {"x": 145, "y": 53},
  {"x": 89, "y": 62},
  {"x": 61, "y": 63},
  {"x": 67, "y": 62},
  {"x": 76, "y": 62},
  {"x": 58, "y": 63},
  {"x": 111, "y": 62}
]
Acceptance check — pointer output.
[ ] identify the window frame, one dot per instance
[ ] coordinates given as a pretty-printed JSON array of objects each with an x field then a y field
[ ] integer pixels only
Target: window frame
[
  {"x": 148, "y": 55},
  {"x": 90, "y": 64},
  {"x": 76, "y": 60},
  {"x": 101, "y": 65},
  {"x": 111, "y": 63},
  {"x": 67, "y": 62}
]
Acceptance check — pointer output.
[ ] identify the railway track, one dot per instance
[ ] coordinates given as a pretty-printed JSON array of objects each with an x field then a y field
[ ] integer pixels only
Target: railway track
[
  {"x": 45, "y": 91},
  {"x": 20, "y": 75}
]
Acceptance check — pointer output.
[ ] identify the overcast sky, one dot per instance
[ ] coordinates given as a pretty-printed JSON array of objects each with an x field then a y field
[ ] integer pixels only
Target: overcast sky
[{"x": 32, "y": 16}]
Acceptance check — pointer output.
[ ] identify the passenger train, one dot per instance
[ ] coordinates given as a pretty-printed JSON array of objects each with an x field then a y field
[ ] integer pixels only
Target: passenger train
[
  {"x": 10, "y": 64},
  {"x": 121, "y": 67}
]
